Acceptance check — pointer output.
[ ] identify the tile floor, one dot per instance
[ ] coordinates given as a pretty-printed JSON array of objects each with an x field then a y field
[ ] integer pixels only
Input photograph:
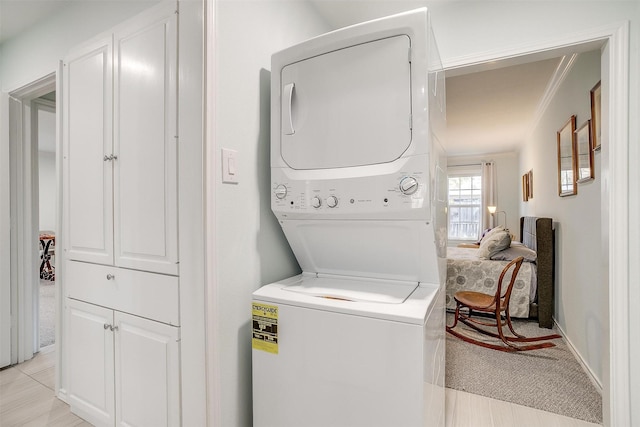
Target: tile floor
[
  {"x": 27, "y": 395},
  {"x": 27, "y": 399},
  {"x": 472, "y": 410}
]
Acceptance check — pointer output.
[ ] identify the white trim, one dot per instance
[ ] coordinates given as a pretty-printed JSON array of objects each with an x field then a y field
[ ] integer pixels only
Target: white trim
[
  {"x": 5, "y": 236},
  {"x": 617, "y": 385},
  {"x": 542, "y": 47},
  {"x": 211, "y": 169},
  {"x": 560, "y": 73},
  {"x": 35, "y": 106},
  {"x": 60, "y": 383},
  {"x": 619, "y": 363},
  {"x": 594, "y": 380},
  {"x": 24, "y": 218}
]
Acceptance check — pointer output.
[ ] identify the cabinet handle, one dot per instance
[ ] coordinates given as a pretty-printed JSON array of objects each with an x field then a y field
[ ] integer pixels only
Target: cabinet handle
[
  {"x": 106, "y": 158},
  {"x": 110, "y": 276},
  {"x": 111, "y": 327},
  {"x": 114, "y": 328},
  {"x": 106, "y": 326},
  {"x": 110, "y": 157}
]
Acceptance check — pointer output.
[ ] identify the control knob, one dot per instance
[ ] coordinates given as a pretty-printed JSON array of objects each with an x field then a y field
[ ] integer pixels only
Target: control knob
[
  {"x": 281, "y": 191},
  {"x": 332, "y": 201},
  {"x": 316, "y": 202},
  {"x": 408, "y": 185}
]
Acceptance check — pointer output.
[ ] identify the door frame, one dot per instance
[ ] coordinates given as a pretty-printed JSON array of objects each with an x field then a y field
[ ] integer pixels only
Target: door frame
[
  {"x": 616, "y": 381},
  {"x": 35, "y": 106},
  {"x": 24, "y": 242}
]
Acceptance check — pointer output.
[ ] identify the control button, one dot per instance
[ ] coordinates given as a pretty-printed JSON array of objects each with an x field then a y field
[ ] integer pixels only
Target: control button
[
  {"x": 408, "y": 185},
  {"x": 316, "y": 202},
  {"x": 281, "y": 191},
  {"x": 332, "y": 201}
]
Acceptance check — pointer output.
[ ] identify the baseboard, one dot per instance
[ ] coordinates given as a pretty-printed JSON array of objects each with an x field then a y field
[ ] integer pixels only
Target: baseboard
[
  {"x": 62, "y": 395},
  {"x": 594, "y": 380}
]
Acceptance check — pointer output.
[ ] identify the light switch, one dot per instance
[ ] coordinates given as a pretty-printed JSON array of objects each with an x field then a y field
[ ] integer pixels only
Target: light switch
[
  {"x": 232, "y": 165},
  {"x": 229, "y": 166}
]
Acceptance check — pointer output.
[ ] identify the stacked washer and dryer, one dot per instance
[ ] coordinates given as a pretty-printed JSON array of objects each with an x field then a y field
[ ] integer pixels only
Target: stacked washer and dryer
[{"x": 359, "y": 187}]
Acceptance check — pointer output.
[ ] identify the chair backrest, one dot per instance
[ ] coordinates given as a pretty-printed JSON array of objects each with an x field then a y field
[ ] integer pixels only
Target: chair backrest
[{"x": 504, "y": 298}]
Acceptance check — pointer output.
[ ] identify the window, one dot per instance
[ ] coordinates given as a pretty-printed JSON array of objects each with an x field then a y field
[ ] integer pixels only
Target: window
[{"x": 465, "y": 205}]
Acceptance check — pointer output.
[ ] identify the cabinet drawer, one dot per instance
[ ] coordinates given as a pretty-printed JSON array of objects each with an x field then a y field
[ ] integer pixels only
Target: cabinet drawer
[{"x": 149, "y": 295}]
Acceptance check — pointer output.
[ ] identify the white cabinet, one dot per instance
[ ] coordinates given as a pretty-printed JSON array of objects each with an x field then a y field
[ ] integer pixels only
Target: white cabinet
[
  {"x": 120, "y": 223},
  {"x": 120, "y": 146},
  {"x": 123, "y": 368},
  {"x": 90, "y": 362}
]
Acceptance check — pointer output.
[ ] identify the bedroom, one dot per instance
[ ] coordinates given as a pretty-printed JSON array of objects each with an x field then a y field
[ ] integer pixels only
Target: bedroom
[{"x": 562, "y": 87}]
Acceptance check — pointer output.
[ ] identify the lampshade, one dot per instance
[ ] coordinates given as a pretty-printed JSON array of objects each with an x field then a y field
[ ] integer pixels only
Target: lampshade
[{"x": 492, "y": 209}]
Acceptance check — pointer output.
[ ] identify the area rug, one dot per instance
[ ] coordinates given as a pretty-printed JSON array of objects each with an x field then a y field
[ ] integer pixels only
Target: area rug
[{"x": 549, "y": 379}]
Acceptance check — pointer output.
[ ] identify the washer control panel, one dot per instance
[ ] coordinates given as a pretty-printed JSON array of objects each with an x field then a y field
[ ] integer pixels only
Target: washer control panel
[{"x": 399, "y": 194}]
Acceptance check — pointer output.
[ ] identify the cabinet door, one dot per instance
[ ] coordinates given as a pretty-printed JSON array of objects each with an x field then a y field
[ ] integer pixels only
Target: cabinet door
[
  {"x": 87, "y": 138},
  {"x": 90, "y": 361},
  {"x": 147, "y": 372},
  {"x": 145, "y": 142}
]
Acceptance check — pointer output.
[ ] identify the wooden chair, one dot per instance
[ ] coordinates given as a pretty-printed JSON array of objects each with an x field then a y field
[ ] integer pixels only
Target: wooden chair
[{"x": 494, "y": 305}]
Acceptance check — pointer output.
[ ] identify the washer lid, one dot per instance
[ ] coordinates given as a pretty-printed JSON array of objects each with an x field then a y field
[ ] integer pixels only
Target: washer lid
[
  {"x": 365, "y": 297},
  {"x": 356, "y": 289}
]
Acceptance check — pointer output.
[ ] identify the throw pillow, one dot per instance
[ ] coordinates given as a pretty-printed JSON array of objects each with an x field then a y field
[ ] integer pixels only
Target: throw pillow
[{"x": 494, "y": 243}]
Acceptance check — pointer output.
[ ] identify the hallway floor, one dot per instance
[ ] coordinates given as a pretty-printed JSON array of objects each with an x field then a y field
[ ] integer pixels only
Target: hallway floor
[
  {"x": 27, "y": 395},
  {"x": 27, "y": 399}
]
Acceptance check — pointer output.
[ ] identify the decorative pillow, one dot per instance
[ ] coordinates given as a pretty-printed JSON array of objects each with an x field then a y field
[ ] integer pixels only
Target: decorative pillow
[
  {"x": 514, "y": 251},
  {"x": 484, "y": 233},
  {"x": 493, "y": 243},
  {"x": 491, "y": 232}
]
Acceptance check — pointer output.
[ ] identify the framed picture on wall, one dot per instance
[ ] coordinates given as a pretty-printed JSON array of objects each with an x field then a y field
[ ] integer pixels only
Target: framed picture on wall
[
  {"x": 525, "y": 187},
  {"x": 530, "y": 183},
  {"x": 596, "y": 121},
  {"x": 584, "y": 153},
  {"x": 567, "y": 159}
]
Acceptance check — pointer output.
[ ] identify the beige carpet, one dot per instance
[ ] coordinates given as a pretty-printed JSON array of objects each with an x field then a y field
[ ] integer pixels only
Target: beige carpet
[
  {"x": 549, "y": 379},
  {"x": 47, "y": 312}
]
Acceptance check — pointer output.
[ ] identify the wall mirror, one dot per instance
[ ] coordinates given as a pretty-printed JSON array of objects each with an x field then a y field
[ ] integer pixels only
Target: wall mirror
[
  {"x": 567, "y": 159},
  {"x": 584, "y": 152}
]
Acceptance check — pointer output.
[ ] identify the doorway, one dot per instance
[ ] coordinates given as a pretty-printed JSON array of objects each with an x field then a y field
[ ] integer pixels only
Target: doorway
[
  {"x": 33, "y": 124},
  {"x": 614, "y": 214},
  {"x": 44, "y": 132}
]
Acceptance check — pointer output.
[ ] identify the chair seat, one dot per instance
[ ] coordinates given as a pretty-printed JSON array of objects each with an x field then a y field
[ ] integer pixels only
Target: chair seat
[{"x": 477, "y": 300}]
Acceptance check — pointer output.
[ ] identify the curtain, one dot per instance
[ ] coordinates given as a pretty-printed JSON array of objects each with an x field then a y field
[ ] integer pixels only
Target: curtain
[{"x": 489, "y": 194}]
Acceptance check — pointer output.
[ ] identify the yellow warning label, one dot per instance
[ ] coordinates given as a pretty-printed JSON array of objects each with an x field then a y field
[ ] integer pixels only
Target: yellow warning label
[{"x": 265, "y": 327}]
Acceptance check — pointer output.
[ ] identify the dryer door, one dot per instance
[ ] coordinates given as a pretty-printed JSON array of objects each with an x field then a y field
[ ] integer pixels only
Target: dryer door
[{"x": 349, "y": 107}]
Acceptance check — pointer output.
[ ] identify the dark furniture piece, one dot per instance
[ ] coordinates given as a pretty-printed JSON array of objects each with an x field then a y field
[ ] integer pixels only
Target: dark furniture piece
[{"x": 538, "y": 234}]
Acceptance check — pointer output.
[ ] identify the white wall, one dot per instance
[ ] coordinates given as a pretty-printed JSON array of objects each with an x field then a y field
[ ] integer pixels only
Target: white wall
[
  {"x": 47, "y": 189},
  {"x": 251, "y": 249},
  {"x": 507, "y": 183},
  {"x": 36, "y": 53},
  {"x": 581, "y": 308},
  {"x": 46, "y": 168}
]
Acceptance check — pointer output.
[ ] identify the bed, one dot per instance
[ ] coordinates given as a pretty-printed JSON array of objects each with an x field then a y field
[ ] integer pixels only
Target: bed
[{"x": 533, "y": 292}]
